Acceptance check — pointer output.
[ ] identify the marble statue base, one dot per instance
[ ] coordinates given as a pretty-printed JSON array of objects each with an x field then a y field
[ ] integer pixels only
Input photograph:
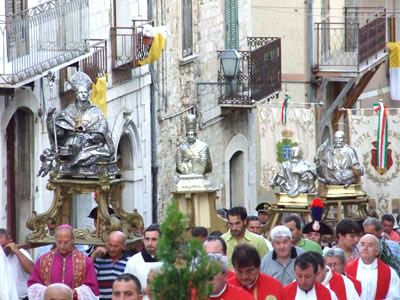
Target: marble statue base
[
  {"x": 339, "y": 191},
  {"x": 193, "y": 183},
  {"x": 283, "y": 199}
]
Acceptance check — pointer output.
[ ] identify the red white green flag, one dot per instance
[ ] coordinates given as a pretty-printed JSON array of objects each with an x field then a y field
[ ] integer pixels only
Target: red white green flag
[
  {"x": 382, "y": 143},
  {"x": 284, "y": 109}
]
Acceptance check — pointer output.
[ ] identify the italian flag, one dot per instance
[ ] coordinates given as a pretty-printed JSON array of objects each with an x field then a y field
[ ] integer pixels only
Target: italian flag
[
  {"x": 394, "y": 69},
  {"x": 382, "y": 143}
]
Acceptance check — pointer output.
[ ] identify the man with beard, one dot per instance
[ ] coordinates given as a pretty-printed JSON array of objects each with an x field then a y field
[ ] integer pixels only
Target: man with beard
[
  {"x": 140, "y": 264},
  {"x": 238, "y": 234}
]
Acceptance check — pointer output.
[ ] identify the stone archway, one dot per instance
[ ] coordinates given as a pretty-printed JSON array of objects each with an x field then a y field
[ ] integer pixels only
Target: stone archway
[{"x": 236, "y": 172}]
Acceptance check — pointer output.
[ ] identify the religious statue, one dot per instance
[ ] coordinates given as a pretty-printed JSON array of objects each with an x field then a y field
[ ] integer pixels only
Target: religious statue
[
  {"x": 193, "y": 156},
  {"x": 79, "y": 134},
  {"x": 296, "y": 175},
  {"x": 338, "y": 164}
]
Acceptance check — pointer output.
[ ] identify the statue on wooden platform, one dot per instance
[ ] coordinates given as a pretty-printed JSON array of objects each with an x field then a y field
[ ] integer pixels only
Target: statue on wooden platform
[
  {"x": 338, "y": 164},
  {"x": 79, "y": 134},
  {"x": 296, "y": 175}
]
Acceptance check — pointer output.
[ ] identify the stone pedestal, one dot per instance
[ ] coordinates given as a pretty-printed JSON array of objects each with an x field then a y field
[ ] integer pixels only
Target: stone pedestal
[
  {"x": 196, "y": 199},
  {"x": 108, "y": 190}
]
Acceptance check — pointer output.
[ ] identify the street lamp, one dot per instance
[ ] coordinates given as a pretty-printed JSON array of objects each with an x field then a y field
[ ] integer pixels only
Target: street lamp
[{"x": 230, "y": 60}]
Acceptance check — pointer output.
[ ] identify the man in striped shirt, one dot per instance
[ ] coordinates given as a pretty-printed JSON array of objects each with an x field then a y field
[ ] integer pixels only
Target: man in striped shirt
[{"x": 110, "y": 262}]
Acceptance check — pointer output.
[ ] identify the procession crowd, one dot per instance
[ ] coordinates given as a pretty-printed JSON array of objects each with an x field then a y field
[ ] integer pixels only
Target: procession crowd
[{"x": 288, "y": 266}]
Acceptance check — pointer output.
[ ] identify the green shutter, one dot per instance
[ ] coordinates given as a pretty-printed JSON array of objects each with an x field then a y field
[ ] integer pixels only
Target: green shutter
[{"x": 231, "y": 24}]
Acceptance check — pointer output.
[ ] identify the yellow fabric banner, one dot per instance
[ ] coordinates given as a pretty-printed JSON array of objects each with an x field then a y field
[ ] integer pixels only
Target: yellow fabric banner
[
  {"x": 99, "y": 93},
  {"x": 394, "y": 56},
  {"x": 155, "y": 50}
]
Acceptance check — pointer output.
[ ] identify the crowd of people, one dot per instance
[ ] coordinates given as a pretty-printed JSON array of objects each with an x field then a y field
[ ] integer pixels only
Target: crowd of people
[{"x": 288, "y": 266}]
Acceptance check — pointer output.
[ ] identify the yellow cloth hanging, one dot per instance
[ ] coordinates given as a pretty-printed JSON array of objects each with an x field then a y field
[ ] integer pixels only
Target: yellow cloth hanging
[
  {"x": 99, "y": 93},
  {"x": 155, "y": 50}
]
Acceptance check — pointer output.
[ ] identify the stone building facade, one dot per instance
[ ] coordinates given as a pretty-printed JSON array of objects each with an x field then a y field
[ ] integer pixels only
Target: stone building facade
[{"x": 186, "y": 83}]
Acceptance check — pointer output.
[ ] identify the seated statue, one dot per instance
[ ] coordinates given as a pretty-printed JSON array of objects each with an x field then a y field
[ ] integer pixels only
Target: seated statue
[
  {"x": 193, "y": 156},
  {"x": 296, "y": 176},
  {"x": 338, "y": 164},
  {"x": 79, "y": 134}
]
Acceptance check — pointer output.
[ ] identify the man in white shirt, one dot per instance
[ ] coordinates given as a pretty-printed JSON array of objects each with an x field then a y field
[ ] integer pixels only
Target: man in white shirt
[
  {"x": 306, "y": 286},
  {"x": 342, "y": 287},
  {"x": 19, "y": 261},
  {"x": 379, "y": 281},
  {"x": 140, "y": 264},
  {"x": 7, "y": 285}
]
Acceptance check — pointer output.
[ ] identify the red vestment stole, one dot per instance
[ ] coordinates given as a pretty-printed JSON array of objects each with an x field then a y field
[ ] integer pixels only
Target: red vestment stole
[
  {"x": 384, "y": 275},
  {"x": 357, "y": 284},
  {"x": 321, "y": 291},
  {"x": 337, "y": 285},
  {"x": 78, "y": 262}
]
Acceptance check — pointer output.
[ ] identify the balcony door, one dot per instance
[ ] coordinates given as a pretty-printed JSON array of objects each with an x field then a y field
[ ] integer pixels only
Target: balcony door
[{"x": 19, "y": 142}]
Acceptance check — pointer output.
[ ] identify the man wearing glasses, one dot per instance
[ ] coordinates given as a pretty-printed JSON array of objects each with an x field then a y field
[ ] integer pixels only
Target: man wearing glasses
[
  {"x": 336, "y": 260},
  {"x": 379, "y": 281},
  {"x": 246, "y": 263}
]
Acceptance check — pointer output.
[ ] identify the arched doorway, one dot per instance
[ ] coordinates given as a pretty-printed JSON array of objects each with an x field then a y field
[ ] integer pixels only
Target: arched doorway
[
  {"x": 236, "y": 189},
  {"x": 19, "y": 150},
  {"x": 130, "y": 164}
]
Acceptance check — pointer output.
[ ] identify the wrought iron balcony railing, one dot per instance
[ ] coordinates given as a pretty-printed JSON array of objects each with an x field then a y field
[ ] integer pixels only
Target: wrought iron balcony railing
[
  {"x": 259, "y": 75},
  {"x": 355, "y": 43},
  {"x": 42, "y": 38},
  {"x": 128, "y": 45}
]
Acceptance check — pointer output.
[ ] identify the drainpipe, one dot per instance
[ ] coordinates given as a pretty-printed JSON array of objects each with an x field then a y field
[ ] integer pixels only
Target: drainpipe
[
  {"x": 309, "y": 25},
  {"x": 153, "y": 125}
]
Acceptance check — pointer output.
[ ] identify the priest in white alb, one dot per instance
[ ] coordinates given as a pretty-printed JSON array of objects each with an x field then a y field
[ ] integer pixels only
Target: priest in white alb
[{"x": 379, "y": 281}]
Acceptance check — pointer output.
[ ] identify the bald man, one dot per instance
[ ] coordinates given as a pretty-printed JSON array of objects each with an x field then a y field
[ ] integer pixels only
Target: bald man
[
  {"x": 110, "y": 262},
  {"x": 379, "y": 281},
  {"x": 58, "y": 291}
]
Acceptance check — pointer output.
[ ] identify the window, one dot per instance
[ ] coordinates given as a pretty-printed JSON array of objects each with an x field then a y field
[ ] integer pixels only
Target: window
[
  {"x": 187, "y": 28},
  {"x": 17, "y": 32},
  {"x": 231, "y": 24}
]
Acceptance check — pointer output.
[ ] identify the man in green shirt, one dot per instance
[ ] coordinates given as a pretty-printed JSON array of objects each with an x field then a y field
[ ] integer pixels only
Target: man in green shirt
[
  {"x": 294, "y": 224},
  {"x": 238, "y": 234}
]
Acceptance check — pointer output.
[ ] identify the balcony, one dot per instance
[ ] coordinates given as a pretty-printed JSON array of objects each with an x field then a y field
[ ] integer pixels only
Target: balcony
[
  {"x": 127, "y": 45},
  {"x": 46, "y": 37},
  {"x": 259, "y": 75},
  {"x": 354, "y": 45}
]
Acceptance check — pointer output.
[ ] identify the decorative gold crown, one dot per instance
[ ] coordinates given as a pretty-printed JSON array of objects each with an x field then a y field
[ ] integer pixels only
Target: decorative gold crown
[
  {"x": 190, "y": 122},
  {"x": 287, "y": 133},
  {"x": 80, "y": 79}
]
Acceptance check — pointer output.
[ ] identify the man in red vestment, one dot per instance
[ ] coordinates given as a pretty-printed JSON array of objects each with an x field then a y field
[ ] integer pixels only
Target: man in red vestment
[
  {"x": 67, "y": 265},
  {"x": 221, "y": 289},
  {"x": 246, "y": 263},
  {"x": 306, "y": 285},
  {"x": 342, "y": 287},
  {"x": 335, "y": 258},
  {"x": 379, "y": 281}
]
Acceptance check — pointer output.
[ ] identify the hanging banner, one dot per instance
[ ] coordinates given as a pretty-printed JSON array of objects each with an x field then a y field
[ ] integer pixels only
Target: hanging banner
[
  {"x": 380, "y": 184},
  {"x": 276, "y": 139}
]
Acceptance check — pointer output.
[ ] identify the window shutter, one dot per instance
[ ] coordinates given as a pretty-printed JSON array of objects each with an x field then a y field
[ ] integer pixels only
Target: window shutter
[
  {"x": 231, "y": 24},
  {"x": 187, "y": 28}
]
